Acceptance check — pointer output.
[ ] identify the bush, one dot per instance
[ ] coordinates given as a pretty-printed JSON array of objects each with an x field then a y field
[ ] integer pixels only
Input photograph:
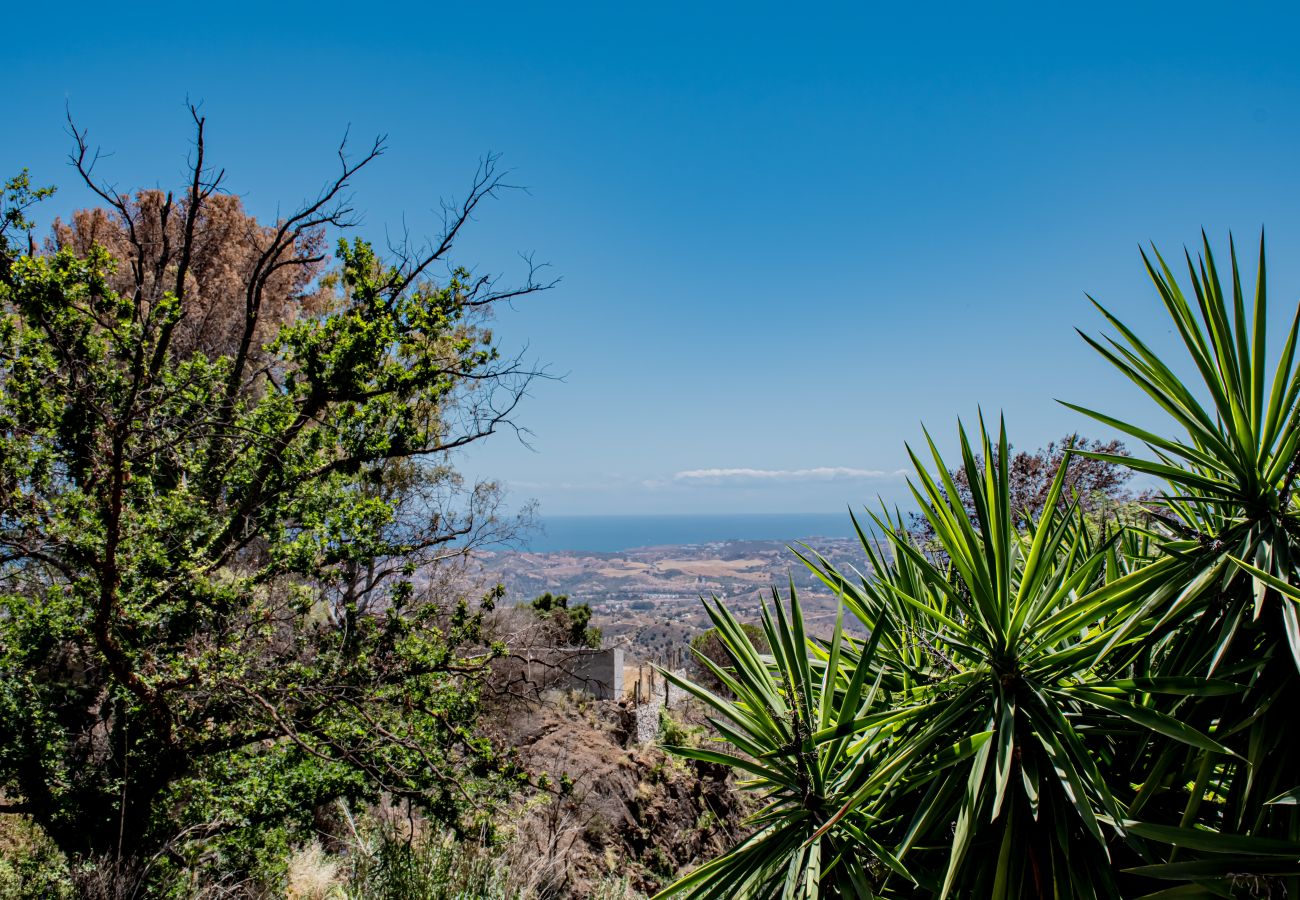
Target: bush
[
  {"x": 31, "y": 867},
  {"x": 571, "y": 624},
  {"x": 674, "y": 732}
]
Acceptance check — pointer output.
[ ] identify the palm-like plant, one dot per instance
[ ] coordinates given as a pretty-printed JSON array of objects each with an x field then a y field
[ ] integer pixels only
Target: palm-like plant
[
  {"x": 783, "y": 704},
  {"x": 1223, "y": 599},
  {"x": 1046, "y": 706},
  {"x": 1231, "y": 475},
  {"x": 1015, "y": 640},
  {"x": 969, "y": 727}
]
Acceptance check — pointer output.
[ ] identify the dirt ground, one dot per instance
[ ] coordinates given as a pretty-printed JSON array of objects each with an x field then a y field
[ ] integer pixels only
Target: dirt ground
[{"x": 615, "y": 808}]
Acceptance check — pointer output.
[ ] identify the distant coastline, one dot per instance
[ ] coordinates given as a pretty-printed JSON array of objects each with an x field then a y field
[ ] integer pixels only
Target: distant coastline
[{"x": 612, "y": 534}]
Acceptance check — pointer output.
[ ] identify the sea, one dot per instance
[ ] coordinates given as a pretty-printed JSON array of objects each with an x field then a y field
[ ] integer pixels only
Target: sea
[{"x": 611, "y": 534}]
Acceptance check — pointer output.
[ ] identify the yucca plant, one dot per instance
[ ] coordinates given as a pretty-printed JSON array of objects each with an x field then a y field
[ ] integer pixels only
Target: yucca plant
[
  {"x": 1230, "y": 476},
  {"x": 781, "y": 708},
  {"x": 1223, "y": 599},
  {"x": 1052, "y": 706},
  {"x": 1015, "y": 640},
  {"x": 963, "y": 748}
]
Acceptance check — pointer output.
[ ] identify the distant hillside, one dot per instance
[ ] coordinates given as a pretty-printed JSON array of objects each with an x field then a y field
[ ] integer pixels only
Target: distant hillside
[{"x": 647, "y": 599}]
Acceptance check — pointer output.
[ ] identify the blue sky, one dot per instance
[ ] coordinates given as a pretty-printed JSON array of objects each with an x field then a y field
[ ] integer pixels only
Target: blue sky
[{"x": 788, "y": 234}]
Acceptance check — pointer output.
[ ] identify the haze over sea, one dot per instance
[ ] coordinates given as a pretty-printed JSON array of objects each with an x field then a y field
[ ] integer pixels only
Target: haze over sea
[{"x": 611, "y": 534}]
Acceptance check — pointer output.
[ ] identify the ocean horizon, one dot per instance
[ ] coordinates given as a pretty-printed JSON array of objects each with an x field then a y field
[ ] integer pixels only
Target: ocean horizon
[{"x": 615, "y": 533}]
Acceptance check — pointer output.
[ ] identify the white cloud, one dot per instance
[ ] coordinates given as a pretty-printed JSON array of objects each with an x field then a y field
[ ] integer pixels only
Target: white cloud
[{"x": 820, "y": 473}]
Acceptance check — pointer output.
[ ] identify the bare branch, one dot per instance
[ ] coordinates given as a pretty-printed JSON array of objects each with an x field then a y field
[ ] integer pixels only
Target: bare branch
[{"x": 323, "y": 211}]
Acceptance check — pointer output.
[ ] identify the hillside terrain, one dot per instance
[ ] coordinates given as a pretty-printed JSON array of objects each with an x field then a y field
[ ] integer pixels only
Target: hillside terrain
[{"x": 647, "y": 599}]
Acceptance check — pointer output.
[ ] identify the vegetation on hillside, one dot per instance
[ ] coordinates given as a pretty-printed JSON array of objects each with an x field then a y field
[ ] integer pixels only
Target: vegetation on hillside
[{"x": 569, "y": 624}]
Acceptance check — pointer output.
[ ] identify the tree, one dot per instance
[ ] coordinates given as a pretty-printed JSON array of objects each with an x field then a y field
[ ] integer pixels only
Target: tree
[
  {"x": 224, "y": 472},
  {"x": 570, "y": 623},
  {"x": 145, "y": 235},
  {"x": 1095, "y": 481}
]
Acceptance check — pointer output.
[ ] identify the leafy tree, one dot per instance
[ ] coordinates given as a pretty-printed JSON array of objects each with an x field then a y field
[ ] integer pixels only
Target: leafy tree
[
  {"x": 219, "y": 499},
  {"x": 571, "y": 623}
]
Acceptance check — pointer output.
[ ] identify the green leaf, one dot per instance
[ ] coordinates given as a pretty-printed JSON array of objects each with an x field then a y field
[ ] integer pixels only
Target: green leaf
[
  {"x": 1152, "y": 719},
  {"x": 1214, "y": 841},
  {"x": 1289, "y": 798}
]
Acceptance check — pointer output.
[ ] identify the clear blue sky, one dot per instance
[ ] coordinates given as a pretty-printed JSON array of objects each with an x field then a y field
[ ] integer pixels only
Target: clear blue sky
[{"x": 789, "y": 234}]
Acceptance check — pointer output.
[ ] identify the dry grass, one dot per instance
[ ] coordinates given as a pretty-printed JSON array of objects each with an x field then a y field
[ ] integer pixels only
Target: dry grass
[
  {"x": 313, "y": 875},
  {"x": 750, "y": 569}
]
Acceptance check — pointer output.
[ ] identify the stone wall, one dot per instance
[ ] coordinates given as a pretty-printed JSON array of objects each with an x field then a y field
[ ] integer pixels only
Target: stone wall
[{"x": 658, "y": 693}]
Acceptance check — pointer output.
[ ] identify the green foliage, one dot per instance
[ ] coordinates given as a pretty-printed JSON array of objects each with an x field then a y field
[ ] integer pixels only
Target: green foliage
[
  {"x": 709, "y": 645},
  {"x": 1050, "y": 706},
  {"x": 16, "y": 197},
  {"x": 572, "y": 623},
  {"x": 31, "y": 867},
  {"x": 213, "y": 611},
  {"x": 674, "y": 732},
  {"x": 1222, "y": 596}
]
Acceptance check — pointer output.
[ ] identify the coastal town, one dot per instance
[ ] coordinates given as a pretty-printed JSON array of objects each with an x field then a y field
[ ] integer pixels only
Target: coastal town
[{"x": 648, "y": 600}]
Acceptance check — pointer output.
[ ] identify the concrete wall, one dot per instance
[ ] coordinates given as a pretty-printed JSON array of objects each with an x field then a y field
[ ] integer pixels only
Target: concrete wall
[{"x": 598, "y": 672}]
